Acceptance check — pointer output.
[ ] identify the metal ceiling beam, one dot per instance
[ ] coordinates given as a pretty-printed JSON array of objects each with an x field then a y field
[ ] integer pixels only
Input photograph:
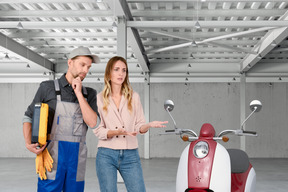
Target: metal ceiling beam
[
  {"x": 247, "y": 42},
  {"x": 68, "y": 43},
  {"x": 15, "y": 33},
  {"x": 45, "y": 1},
  {"x": 206, "y": 24},
  {"x": 57, "y": 24},
  {"x": 200, "y": 49},
  {"x": 101, "y": 55},
  {"x": 265, "y": 69},
  {"x": 188, "y": 54},
  {"x": 142, "y": 13},
  {"x": 265, "y": 45},
  {"x": 37, "y": 35},
  {"x": 100, "y": 42},
  {"x": 131, "y": 64},
  {"x": 55, "y": 13},
  {"x": 138, "y": 49},
  {"x": 207, "y": 13},
  {"x": 148, "y": 36},
  {"x": 279, "y": 50},
  {"x": 196, "y": 74},
  {"x": 182, "y": 68},
  {"x": 94, "y": 49},
  {"x": 208, "y": 1},
  {"x": 269, "y": 68},
  {"x": 24, "y": 53},
  {"x": 132, "y": 34},
  {"x": 212, "y": 61},
  {"x": 122, "y": 37},
  {"x": 221, "y": 78}
]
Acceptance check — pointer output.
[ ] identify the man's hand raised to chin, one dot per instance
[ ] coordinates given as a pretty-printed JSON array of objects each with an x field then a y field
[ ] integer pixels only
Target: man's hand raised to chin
[{"x": 77, "y": 85}]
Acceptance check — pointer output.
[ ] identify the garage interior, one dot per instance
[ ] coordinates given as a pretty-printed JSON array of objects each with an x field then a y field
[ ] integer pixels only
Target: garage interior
[{"x": 212, "y": 58}]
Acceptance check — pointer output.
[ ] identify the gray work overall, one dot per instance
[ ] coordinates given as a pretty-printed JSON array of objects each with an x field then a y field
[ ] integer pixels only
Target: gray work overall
[{"x": 67, "y": 147}]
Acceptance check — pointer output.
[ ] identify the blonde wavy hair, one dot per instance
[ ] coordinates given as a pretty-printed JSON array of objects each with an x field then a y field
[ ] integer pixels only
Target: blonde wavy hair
[{"x": 126, "y": 89}]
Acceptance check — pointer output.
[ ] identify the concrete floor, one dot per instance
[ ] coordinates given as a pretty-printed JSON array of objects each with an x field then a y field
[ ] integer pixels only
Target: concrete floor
[{"x": 18, "y": 174}]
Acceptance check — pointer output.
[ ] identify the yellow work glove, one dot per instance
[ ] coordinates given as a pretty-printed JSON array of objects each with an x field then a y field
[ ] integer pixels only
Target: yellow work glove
[
  {"x": 43, "y": 160},
  {"x": 47, "y": 160},
  {"x": 40, "y": 167}
]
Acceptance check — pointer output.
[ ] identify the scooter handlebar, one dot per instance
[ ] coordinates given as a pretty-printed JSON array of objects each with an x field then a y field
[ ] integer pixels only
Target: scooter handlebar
[
  {"x": 167, "y": 131},
  {"x": 175, "y": 131},
  {"x": 250, "y": 133},
  {"x": 181, "y": 131},
  {"x": 238, "y": 132}
]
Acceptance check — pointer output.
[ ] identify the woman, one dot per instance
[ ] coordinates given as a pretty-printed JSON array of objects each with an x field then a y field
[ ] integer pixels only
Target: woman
[{"x": 122, "y": 119}]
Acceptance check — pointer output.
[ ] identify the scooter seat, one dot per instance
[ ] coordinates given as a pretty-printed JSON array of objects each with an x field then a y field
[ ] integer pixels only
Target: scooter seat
[{"x": 239, "y": 161}]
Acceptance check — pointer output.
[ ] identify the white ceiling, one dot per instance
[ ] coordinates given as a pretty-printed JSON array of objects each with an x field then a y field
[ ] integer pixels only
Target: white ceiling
[{"x": 235, "y": 38}]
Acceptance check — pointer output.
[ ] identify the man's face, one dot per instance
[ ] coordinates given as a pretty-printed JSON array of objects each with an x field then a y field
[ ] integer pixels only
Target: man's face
[{"x": 79, "y": 67}]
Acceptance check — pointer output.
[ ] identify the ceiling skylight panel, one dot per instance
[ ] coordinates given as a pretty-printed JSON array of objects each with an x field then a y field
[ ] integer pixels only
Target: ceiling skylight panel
[
  {"x": 255, "y": 5},
  {"x": 43, "y": 6},
  {"x": 73, "y": 6},
  {"x": 240, "y": 5},
  {"x": 226, "y": 5},
  {"x": 283, "y": 5},
  {"x": 270, "y": 5},
  {"x": 57, "y": 6}
]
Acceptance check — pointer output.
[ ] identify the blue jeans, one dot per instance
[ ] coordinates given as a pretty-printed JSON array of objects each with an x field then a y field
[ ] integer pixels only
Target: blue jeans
[{"x": 127, "y": 162}]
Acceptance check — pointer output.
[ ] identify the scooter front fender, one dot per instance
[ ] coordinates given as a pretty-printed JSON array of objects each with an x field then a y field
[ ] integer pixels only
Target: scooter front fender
[
  {"x": 220, "y": 177},
  {"x": 220, "y": 180},
  {"x": 182, "y": 171}
]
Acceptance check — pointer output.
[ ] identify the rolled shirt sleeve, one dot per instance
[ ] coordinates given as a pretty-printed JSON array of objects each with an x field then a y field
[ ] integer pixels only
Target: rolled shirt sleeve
[{"x": 26, "y": 119}]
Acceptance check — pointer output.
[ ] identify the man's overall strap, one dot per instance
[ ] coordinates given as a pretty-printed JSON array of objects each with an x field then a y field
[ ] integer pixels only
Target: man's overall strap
[
  {"x": 58, "y": 93},
  {"x": 57, "y": 89}
]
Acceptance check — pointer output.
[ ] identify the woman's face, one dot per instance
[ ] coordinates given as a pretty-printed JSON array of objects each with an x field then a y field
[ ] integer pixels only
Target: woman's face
[{"x": 118, "y": 73}]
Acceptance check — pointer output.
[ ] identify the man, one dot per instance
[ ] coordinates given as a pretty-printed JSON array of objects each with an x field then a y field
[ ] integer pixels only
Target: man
[{"x": 72, "y": 108}]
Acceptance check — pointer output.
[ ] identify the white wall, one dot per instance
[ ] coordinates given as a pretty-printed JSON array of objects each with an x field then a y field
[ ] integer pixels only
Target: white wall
[{"x": 195, "y": 104}]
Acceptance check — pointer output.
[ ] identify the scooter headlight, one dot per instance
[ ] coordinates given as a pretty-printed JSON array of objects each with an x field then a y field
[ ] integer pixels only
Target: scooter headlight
[{"x": 201, "y": 149}]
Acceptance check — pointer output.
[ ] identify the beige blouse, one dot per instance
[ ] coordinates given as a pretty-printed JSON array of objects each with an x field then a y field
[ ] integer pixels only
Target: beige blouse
[{"x": 114, "y": 119}]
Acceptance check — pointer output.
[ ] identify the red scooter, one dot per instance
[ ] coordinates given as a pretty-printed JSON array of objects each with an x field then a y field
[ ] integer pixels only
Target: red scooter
[{"x": 206, "y": 166}]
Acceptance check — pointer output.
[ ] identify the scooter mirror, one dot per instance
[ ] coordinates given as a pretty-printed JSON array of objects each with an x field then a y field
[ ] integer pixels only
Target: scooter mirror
[
  {"x": 168, "y": 105},
  {"x": 255, "y": 105}
]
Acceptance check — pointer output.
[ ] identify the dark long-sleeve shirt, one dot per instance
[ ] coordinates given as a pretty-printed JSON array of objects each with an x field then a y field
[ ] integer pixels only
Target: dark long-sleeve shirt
[{"x": 46, "y": 94}]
